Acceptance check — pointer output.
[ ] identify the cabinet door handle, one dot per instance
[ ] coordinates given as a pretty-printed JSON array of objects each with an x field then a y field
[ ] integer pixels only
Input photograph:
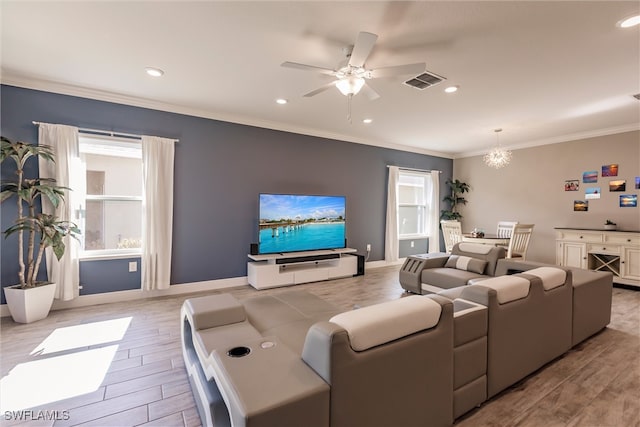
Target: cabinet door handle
[
  {"x": 604, "y": 249},
  {"x": 622, "y": 262},
  {"x": 581, "y": 237},
  {"x": 629, "y": 240}
]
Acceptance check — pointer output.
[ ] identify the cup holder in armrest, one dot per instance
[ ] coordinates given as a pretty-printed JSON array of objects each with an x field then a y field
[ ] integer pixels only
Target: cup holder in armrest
[{"x": 238, "y": 352}]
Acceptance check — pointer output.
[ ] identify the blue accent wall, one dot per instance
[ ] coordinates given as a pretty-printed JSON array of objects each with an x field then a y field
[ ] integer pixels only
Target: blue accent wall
[{"x": 220, "y": 169}]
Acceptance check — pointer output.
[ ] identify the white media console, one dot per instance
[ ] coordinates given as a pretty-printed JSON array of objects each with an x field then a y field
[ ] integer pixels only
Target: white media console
[{"x": 293, "y": 268}]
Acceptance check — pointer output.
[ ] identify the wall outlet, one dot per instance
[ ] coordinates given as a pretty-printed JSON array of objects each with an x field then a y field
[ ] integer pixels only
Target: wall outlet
[
  {"x": 368, "y": 247},
  {"x": 133, "y": 266},
  {"x": 413, "y": 244}
]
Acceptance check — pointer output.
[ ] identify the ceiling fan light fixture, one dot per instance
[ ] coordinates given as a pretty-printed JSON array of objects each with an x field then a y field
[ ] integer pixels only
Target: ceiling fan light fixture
[
  {"x": 498, "y": 157},
  {"x": 629, "y": 21},
  {"x": 350, "y": 85}
]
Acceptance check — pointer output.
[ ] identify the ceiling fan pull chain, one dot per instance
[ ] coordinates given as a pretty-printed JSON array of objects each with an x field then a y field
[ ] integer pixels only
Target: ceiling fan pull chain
[{"x": 349, "y": 107}]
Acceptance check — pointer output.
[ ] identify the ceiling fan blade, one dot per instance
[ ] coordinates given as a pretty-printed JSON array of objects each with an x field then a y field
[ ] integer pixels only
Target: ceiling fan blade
[
  {"x": 362, "y": 48},
  {"x": 321, "y": 89},
  {"x": 308, "y": 68},
  {"x": 369, "y": 92},
  {"x": 398, "y": 70}
]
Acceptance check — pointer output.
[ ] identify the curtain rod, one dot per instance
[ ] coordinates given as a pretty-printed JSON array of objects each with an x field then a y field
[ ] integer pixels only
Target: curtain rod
[
  {"x": 106, "y": 132},
  {"x": 414, "y": 169}
]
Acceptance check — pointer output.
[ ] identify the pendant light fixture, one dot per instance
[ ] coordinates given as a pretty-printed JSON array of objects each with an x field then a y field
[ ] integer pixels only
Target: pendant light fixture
[{"x": 498, "y": 157}]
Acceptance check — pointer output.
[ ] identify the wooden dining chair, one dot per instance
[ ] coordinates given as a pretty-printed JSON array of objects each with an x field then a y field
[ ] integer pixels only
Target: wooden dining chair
[
  {"x": 519, "y": 241},
  {"x": 452, "y": 232},
  {"x": 505, "y": 228}
]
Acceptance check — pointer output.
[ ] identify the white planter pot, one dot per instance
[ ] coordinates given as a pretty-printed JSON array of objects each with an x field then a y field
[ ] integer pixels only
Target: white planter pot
[
  {"x": 610, "y": 226},
  {"x": 30, "y": 304}
]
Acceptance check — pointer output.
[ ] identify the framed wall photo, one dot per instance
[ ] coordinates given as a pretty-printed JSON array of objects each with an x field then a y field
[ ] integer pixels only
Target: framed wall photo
[
  {"x": 592, "y": 193},
  {"x": 580, "y": 205},
  {"x": 618, "y": 185},
  {"x": 628, "y": 201},
  {"x": 572, "y": 185},
  {"x": 590, "y": 177},
  {"x": 610, "y": 170}
]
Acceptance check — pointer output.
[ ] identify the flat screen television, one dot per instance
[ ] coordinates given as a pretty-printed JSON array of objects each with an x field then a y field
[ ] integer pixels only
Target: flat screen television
[{"x": 296, "y": 223}]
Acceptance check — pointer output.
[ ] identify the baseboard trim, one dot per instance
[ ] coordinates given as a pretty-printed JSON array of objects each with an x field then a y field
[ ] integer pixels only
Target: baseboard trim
[
  {"x": 134, "y": 294},
  {"x": 179, "y": 289}
]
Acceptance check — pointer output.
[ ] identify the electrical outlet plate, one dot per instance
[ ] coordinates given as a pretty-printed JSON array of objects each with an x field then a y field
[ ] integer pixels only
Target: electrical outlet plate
[
  {"x": 133, "y": 267},
  {"x": 368, "y": 247}
]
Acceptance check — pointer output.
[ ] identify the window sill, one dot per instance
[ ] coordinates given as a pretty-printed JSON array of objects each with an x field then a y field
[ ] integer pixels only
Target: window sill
[
  {"x": 413, "y": 237},
  {"x": 102, "y": 257}
]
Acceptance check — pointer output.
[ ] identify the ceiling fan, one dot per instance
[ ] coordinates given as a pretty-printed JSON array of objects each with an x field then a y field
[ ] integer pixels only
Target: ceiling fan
[{"x": 351, "y": 74}]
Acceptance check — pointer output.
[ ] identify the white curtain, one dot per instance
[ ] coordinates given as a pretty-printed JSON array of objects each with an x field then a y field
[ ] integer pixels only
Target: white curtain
[
  {"x": 433, "y": 221},
  {"x": 64, "y": 142},
  {"x": 157, "y": 211},
  {"x": 391, "y": 250}
]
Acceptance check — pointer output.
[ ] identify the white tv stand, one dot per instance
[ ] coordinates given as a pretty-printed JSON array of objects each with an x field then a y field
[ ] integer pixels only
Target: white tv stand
[{"x": 293, "y": 268}]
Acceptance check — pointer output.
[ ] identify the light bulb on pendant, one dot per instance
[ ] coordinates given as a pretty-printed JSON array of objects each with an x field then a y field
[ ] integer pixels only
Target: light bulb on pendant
[{"x": 498, "y": 157}]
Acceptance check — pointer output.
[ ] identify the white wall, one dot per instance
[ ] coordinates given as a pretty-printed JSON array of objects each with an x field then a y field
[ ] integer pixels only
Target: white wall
[{"x": 531, "y": 188}]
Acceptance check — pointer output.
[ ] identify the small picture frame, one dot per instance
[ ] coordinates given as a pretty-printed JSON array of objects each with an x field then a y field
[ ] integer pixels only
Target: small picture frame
[
  {"x": 618, "y": 185},
  {"x": 590, "y": 177},
  {"x": 580, "y": 205},
  {"x": 592, "y": 193},
  {"x": 610, "y": 170},
  {"x": 572, "y": 185}
]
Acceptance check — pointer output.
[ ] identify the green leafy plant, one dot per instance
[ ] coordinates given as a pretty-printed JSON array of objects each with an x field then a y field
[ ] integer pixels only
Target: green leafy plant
[
  {"x": 455, "y": 198},
  {"x": 47, "y": 229}
]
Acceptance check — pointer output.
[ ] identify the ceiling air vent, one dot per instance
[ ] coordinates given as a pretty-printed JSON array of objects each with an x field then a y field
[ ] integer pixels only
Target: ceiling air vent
[
  {"x": 424, "y": 80},
  {"x": 637, "y": 96}
]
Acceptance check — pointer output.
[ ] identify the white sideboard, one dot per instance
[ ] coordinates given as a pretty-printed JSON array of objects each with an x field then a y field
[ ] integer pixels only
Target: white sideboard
[
  {"x": 603, "y": 250},
  {"x": 293, "y": 268}
]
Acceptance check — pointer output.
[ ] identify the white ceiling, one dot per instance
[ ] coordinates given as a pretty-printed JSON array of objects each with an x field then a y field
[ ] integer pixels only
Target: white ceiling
[{"x": 543, "y": 71}]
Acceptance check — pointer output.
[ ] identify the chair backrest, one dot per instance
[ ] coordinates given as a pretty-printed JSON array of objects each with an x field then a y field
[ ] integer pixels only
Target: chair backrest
[
  {"x": 519, "y": 241},
  {"x": 452, "y": 232},
  {"x": 505, "y": 228}
]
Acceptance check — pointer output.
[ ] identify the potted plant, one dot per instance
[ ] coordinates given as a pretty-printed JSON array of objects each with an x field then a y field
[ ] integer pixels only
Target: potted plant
[
  {"x": 610, "y": 225},
  {"x": 30, "y": 299},
  {"x": 454, "y": 199}
]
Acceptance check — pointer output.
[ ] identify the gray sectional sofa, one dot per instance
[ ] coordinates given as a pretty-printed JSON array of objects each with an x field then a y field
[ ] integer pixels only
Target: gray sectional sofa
[{"x": 293, "y": 359}]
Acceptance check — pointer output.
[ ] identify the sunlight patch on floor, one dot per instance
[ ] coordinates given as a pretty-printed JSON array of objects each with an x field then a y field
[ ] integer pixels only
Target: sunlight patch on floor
[
  {"x": 48, "y": 380},
  {"x": 79, "y": 336}
]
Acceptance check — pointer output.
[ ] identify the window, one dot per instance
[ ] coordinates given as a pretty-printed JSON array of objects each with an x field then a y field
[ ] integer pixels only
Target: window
[
  {"x": 412, "y": 204},
  {"x": 111, "y": 183}
]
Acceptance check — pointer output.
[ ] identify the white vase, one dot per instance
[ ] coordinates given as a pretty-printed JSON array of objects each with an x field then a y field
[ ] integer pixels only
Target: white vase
[
  {"x": 610, "y": 226},
  {"x": 29, "y": 304}
]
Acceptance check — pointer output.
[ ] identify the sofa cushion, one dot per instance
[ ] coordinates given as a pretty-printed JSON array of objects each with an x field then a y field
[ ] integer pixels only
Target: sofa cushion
[
  {"x": 466, "y": 263},
  {"x": 551, "y": 277},
  {"x": 484, "y": 252},
  {"x": 508, "y": 288},
  {"x": 446, "y": 278},
  {"x": 378, "y": 324}
]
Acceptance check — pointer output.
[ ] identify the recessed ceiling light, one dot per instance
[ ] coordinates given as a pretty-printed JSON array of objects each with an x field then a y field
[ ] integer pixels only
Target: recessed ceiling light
[
  {"x": 451, "y": 89},
  {"x": 154, "y": 72},
  {"x": 367, "y": 121},
  {"x": 629, "y": 21},
  {"x": 281, "y": 101}
]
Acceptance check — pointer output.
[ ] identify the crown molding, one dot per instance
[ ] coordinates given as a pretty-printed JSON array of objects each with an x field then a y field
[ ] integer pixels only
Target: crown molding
[
  {"x": 559, "y": 139},
  {"x": 10, "y": 79}
]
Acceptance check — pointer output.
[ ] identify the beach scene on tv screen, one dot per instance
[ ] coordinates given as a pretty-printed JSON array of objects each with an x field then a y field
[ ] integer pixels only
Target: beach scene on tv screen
[{"x": 292, "y": 223}]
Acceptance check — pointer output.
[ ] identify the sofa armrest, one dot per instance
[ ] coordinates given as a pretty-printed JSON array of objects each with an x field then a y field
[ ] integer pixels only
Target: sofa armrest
[
  {"x": 270, "y": 384},
  {"x": 212, "y": 311},
  {"x": 317, "y": 347}
]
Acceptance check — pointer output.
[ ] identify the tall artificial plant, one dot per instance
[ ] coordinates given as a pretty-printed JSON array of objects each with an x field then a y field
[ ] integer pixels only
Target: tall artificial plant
[
  {"x": 455, "y": 198},
  {"x": 48, "y": 229}
]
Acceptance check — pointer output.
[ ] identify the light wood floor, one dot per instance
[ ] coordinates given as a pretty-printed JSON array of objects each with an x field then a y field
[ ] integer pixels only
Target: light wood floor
[{"x": 145, "y": 383}]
